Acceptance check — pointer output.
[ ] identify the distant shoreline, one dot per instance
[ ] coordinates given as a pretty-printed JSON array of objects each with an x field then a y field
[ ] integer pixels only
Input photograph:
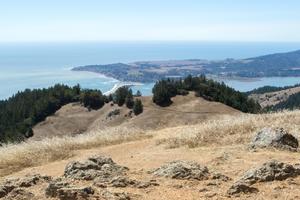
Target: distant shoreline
[{"x": 119, "y": 85}]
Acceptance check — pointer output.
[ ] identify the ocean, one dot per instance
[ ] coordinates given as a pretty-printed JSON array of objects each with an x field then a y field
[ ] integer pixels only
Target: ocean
[{"x": 38, "y": 65}]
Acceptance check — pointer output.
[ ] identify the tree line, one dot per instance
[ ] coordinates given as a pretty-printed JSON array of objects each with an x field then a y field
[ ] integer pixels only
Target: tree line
[
  {"x": 19, "y": 113},
  {"x": 208, "y": 89}
]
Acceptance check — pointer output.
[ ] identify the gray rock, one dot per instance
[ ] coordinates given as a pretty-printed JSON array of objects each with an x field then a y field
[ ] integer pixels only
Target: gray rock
[
  {"x": 276, "y": 138},
  {"x": 64, "y": 191},
  {"x": 103, "y": 168},
  {"x": 122, "y": 181},
  {"x": 54, "y": 186},
  {"x": 241, "y": 187},
  {"x": 221, "y": 177},
  {"x": 19, "y": 194},
  {"x": 183, "y": 170},
  {"x": 269, "y": 171},
  {"x": 6, "y": 189},
  {"x": 9, "y": 185},
  {"x": 115, "y": 195}
]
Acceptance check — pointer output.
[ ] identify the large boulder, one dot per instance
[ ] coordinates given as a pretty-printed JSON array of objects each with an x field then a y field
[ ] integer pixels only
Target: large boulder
[
  {"x": 183, "y": 170},
  {"x": 276, "y": 138},
  {"x": 269, "y": 171},
  {"x": 99, "y": 167}
]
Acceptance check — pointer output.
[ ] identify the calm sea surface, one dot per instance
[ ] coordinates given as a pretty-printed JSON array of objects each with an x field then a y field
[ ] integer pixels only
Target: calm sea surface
[{"x": 37, "y": 65}]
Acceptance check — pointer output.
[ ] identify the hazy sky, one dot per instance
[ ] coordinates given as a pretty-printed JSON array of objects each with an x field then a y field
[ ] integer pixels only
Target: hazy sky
[{"x": 217, "y": 20}]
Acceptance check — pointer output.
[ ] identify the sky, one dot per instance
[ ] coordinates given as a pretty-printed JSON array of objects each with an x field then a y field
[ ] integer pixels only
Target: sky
[{"x": 149, "y": 20}]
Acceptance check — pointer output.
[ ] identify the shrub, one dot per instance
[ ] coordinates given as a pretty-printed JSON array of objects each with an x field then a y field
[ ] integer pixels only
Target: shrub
[
  {"x": 92, "y": 99},
  {"x": 138, "y": 107},
  {"x": 161, "y": 93},
  {"x": 129, "y": 100},
  {"x": 121, "y": 94}
]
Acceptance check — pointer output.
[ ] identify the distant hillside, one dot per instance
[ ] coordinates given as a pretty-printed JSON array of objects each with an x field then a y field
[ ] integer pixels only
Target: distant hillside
[
  {"x": 281, "y": 64},
  {"x": 267, "y": 89},
  {"x": 277, "y": 98},
  {"x": 291, "y": 103}
]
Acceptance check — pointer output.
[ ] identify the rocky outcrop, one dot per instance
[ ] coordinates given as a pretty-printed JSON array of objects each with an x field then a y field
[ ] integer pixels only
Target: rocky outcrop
[
  {"x": 20, "y": 194},
  {"x": 102, "y": 168},
  {"x": 269, "y": 171},
  {"x": 183, "y": 170},
  {"x": 64, "y": 191},
  {"x": 276, "y": 138},
  {"x": 13, "y": 186}
]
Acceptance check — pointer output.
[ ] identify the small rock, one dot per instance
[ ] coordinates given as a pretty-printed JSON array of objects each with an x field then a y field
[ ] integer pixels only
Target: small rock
[
  {"x": 54, "y": 186},
  {"x": 75, "y": 193},
  {"x": 19, "y": 194},
  {"x": 241, "y": 187},
  {"x": 183, "y": 170},
  {"x": 276, "y": 138},
  {"x": 211, "y": 195},
  {"x": 221, "y": 177},
  {"x": 115, "y": 195},
  {"x": 102, "y": 168},
  {"x": 212, "y": 184},
  {"x": 122, "y": 182},
  {"x": 65, "y": 191},
  {"x": 203, "y": 190}
]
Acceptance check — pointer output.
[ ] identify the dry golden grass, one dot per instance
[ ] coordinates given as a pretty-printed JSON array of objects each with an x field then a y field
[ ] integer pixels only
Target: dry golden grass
[
  {"x": 15, "y": 157},
  {"x": 229, "y": 130}
]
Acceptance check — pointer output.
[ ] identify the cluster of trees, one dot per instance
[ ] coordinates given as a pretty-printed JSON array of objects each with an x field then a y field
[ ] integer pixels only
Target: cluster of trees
[
  {"x": 92, "y": 99},
  {"x": 209, "y": 89},
  {"x": 124, "y": 95}
]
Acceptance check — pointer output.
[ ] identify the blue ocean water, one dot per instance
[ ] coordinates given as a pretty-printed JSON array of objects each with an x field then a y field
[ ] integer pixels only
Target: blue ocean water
[{"x": 37, "y": 65}]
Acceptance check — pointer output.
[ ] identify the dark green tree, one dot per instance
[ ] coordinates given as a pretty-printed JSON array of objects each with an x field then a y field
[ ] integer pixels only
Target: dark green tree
[
  {"x": 161, "y": 93},
  {"x": 121, "y": 94},
  {"x": 92, "y": 99},
  {"x": 138, "y": 107},
  {"x": 129, "y": 100}
]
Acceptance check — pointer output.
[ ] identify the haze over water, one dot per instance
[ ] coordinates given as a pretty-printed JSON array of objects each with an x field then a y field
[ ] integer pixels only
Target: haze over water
[{"x": 38, "y": 65}]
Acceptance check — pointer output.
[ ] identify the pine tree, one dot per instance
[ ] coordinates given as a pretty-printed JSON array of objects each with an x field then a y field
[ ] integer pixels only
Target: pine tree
[{"x": 138, "y": 107}]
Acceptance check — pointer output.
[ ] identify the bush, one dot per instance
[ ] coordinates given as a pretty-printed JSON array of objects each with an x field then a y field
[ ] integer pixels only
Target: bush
[
  {"x": 138, "y": 94},
  {"x": 92, "y": 99},
  {"x": 121, "y": 94},
  {"x": 138, "y": 107},
  {"x": 129, "y": 100},
  {"x": 161, "y": 93}
]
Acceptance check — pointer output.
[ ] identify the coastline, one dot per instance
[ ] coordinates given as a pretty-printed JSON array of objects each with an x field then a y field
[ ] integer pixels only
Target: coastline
[
  {"x": 116, "y": 86},
  {"x": 119, "y": 85}
]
